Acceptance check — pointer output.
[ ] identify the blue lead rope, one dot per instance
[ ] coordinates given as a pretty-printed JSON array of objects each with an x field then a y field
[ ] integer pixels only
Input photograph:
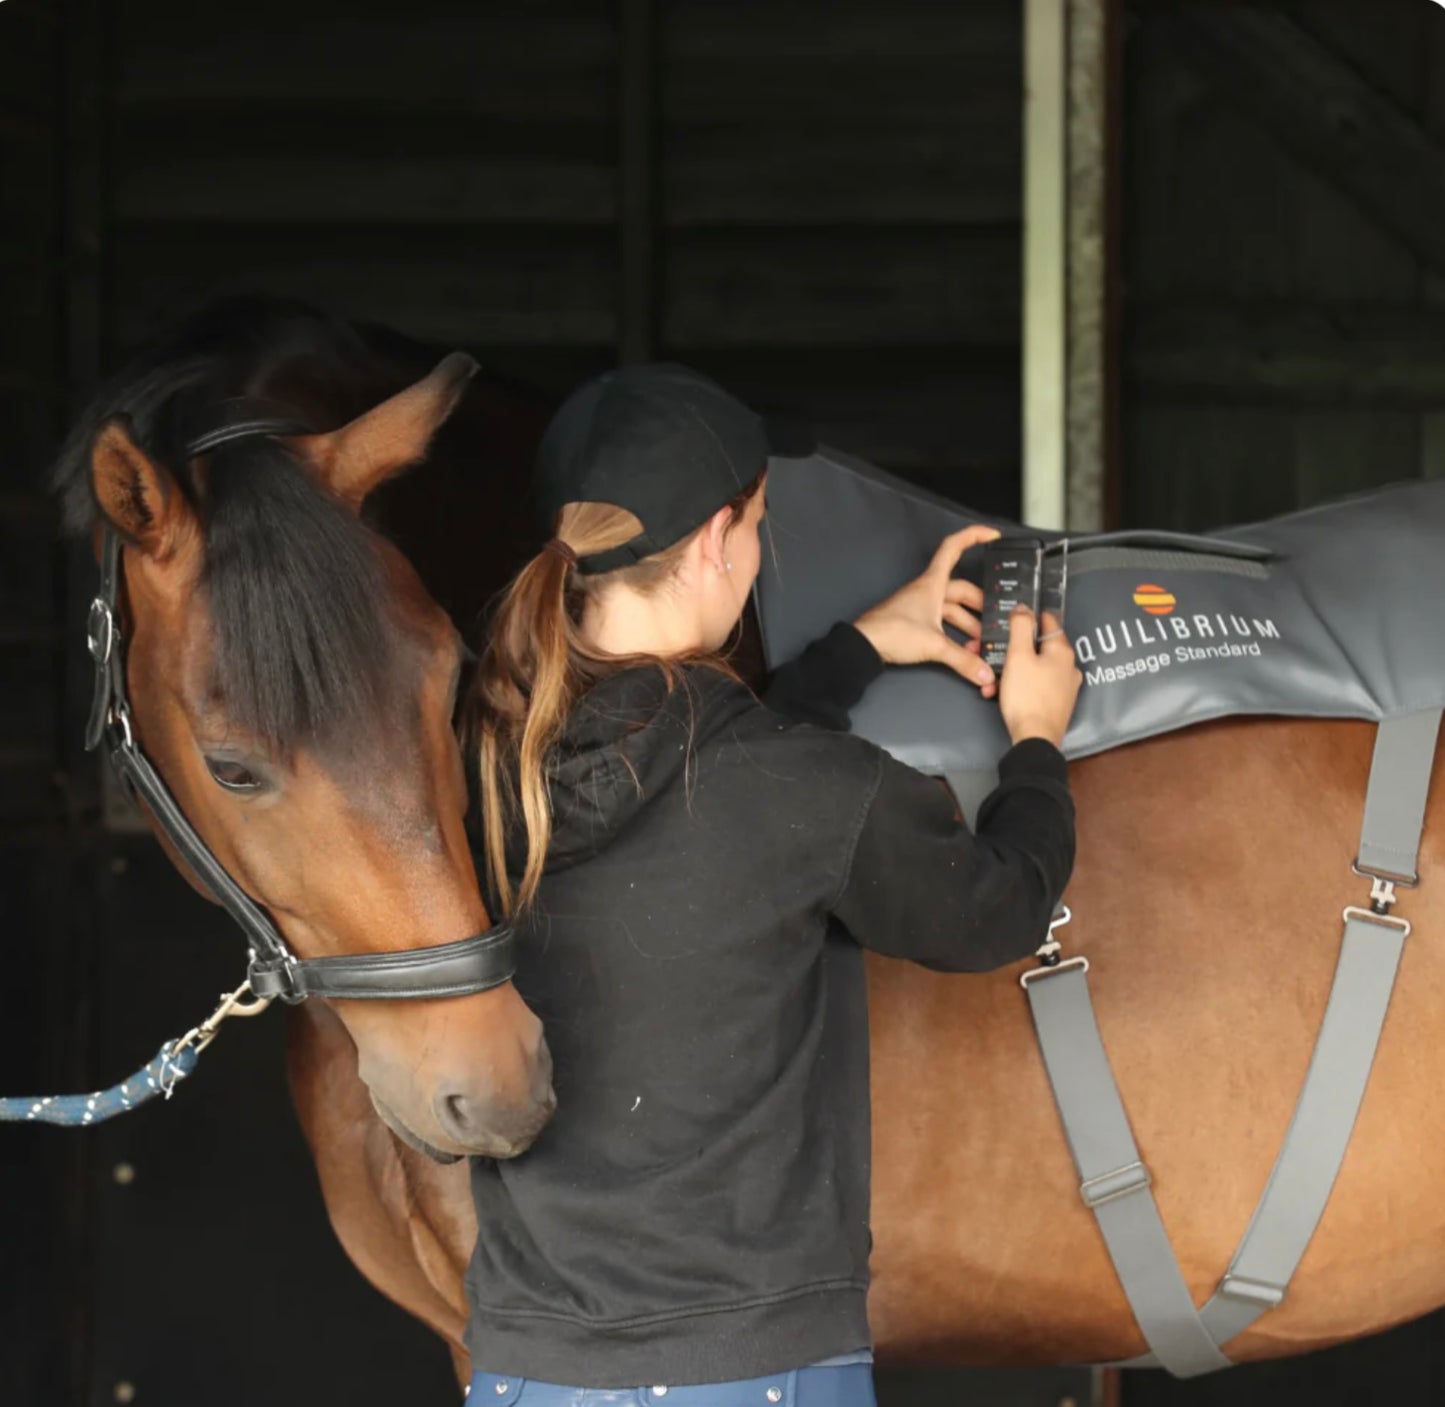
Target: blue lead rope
[
  {"x": 160, "y": 1077},
  {"x": 173, "y": 1062}
]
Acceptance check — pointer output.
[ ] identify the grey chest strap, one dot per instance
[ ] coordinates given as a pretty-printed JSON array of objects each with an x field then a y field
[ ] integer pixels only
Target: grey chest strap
[{"x": 1114, "y": 1181}]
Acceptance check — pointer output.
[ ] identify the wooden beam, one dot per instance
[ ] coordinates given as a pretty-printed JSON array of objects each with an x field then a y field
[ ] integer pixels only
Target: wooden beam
[
  {"x": 531, "y": 286},
  {"x": 1319, "y": 108},
  {"x": 292, "y": 187},
  {"x": 867, "y": 289},
  {"x": 1378, "y": 355}
]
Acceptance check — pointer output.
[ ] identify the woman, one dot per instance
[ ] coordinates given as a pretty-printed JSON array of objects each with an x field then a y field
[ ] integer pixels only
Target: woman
[{"x": 696, "y": 878}]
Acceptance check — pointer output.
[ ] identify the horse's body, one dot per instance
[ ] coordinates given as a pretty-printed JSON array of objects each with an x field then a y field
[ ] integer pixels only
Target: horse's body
[{"x": 1213, "y": 866}]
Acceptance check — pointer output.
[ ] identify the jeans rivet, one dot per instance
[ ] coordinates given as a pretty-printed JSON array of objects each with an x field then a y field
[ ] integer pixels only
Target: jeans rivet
[
  {"x": 500, "y": 1388},
  {"x": 775, "y": 1394},
  {"x": 659, "y": 1392}
]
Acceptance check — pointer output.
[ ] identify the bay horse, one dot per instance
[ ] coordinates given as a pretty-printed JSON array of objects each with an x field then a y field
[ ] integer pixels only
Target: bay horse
[
  {"x": 1212, "y": 957},
  {"x": 293, "y": 683}
]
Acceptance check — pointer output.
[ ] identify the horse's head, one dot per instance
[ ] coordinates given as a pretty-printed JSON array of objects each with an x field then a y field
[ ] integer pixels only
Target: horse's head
[{"x": 294, "y": 685}]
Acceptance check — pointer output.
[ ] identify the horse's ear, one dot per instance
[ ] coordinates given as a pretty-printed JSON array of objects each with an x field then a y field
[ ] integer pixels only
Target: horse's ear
[
  {"x": 353, "y": 460},
  {"x": 135, "y": 494}
]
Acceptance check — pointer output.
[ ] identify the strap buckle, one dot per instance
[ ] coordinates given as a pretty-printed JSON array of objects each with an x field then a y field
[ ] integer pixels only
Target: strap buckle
[
  {"x": 1109, "y": 1186},
  {"x": 1079, "y": 963},
  {"x": 1383, "y": 885}
]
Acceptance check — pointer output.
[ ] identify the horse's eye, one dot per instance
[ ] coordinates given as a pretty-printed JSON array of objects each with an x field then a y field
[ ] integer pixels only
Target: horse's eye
[{"x": 234, "y": 776}]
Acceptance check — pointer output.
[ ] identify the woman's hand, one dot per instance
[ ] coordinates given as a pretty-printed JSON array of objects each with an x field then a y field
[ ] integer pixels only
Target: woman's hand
[
  {"x": 907, "y": 628},
  {"x": 1040, "y": 687}
]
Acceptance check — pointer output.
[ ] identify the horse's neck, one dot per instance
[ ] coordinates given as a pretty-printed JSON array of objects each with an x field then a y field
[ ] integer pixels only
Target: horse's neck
[{"x": 407, "y": 1223}]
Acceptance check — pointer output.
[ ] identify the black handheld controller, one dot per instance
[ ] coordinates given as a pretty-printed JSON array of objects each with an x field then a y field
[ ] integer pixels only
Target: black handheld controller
[{"x": 1018, "y": 571}]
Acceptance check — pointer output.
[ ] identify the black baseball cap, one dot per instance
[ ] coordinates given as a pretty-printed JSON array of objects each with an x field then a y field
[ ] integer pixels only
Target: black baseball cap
[{"x": 664, "y": 442}]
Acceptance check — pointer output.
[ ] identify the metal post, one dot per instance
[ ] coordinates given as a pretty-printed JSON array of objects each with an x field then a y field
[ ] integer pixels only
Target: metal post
[
  {"x": 1087, "y": 272},
  {"x": 1069, "y": 335},
  {"x": 1045, "y": 239}
]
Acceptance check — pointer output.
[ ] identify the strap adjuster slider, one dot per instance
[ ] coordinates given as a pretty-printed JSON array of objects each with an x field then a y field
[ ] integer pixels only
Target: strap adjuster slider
[
  {"x": 1107, "y": 1187},
  {"x": 1240, "y": 1287}
]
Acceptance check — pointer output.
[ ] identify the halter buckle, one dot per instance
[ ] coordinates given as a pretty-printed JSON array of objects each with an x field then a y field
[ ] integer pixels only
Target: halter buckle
[
  {"x": 275, "y": 977},
  {"x": 120, "y": 717},
  {"x": 100, "y": 631}
]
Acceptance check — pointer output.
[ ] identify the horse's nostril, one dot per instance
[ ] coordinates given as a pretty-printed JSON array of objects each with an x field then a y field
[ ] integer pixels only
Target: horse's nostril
[
  {"x": 458, "y": 1116},
  {"x": 485, "y": 1127}
]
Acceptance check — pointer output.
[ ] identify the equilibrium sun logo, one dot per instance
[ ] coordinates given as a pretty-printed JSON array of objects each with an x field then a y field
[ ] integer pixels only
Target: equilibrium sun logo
[{"x": 1157, "y": 600}]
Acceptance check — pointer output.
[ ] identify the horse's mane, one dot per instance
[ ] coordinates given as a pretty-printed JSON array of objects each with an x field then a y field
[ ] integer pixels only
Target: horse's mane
[{"x": 304, "y": 652}]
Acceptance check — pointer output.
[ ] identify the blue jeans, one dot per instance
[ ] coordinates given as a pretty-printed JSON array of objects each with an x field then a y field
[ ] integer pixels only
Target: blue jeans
[{"x": 848, "y": 1386}]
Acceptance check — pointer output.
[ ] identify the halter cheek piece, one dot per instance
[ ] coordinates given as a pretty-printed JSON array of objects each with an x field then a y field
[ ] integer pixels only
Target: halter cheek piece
[{"x": 458, "y": 969}]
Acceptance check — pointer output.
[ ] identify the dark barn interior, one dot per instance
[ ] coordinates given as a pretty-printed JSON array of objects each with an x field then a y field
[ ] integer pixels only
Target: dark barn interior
[{"x": 820, "y": 203}]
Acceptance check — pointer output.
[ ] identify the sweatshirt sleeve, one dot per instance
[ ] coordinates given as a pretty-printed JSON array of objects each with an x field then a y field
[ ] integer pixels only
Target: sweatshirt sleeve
[
  {"x": 922, "y": 886},
  {"x": 822, "y": 684}
]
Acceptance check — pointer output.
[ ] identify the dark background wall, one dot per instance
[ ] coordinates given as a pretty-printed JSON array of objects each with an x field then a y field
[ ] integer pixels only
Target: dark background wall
[
  {"x": 1282, "y": 252},
  {"x": 816, "y": 201}
]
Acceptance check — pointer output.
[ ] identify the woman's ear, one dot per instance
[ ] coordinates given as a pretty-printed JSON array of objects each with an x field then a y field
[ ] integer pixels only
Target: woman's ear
[
  {"x": 714, "y": 539},
  {"x": 136, "y": 494}
]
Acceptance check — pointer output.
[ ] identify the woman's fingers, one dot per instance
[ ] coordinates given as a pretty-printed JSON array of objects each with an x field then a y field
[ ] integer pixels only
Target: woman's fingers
[
  {"x": 968, "y": 665},
  {"x": 964, "y": 593},
  {"x": 956, "y": 544},
  {"x": 962, "y": 620}
]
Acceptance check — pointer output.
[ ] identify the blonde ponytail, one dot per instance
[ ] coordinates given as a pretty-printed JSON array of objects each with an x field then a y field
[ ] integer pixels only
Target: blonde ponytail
[{"x": 534, "y": 668}]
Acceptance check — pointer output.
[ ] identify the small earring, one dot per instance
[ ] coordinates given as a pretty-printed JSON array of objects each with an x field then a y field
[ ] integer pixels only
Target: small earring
[{"x": 728, "y": 565}]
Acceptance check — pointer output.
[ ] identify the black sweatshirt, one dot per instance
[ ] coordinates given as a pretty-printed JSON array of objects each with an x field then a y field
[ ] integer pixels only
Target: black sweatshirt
[{"x": 698, "y": 1209}]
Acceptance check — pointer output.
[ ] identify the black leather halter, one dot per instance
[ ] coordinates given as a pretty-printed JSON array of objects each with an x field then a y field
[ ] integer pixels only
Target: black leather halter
[{"x": 457, "y": 969}]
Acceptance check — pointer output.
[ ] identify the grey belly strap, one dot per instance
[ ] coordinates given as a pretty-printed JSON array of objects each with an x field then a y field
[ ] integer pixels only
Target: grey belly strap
[{"x": 1114, "y": 1180}]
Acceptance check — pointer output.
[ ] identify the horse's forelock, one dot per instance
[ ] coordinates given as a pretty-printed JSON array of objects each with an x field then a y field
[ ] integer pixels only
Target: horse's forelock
[
  {"x": 296, "y": 590},
  {"x": 305, "y": 646}
]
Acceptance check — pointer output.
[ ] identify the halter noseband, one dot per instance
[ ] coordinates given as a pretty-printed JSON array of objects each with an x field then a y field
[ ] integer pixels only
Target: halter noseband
[{"x": 469, "y": 965}]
